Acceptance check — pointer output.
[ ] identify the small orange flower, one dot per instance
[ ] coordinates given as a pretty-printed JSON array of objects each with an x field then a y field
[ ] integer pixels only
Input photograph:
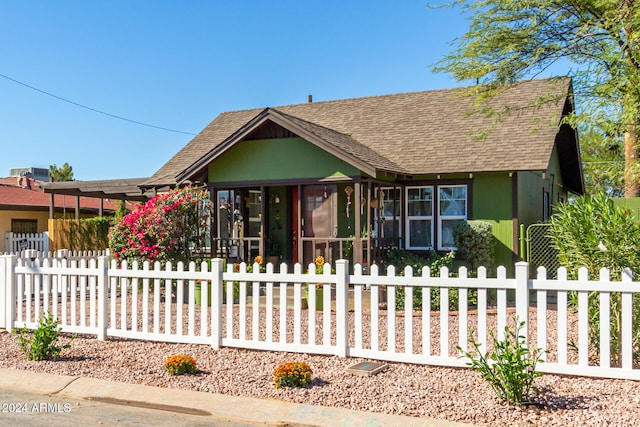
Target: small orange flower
[
  {"x": 236, "y": 268},
  {"x": 258, "y": 260},
  {"x": 292, "y": 374},
  {"x": 319, "y": 260},
  {"x": 180, "y": 364}
]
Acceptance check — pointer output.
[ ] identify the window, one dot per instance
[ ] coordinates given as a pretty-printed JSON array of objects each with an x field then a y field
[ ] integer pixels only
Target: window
[
  {"x": 546, "y": 206},
  {"x": 419, "y": 218},
  {"x": 24, "y": 225},
  {"x": 452, "y": 210},
  {"x": 429, "y": 225}
]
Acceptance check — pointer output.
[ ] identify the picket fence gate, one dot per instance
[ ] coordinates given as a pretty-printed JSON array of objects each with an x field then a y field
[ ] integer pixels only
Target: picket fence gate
[
  {"x": 17, "y": 242},
  {"x": 248, "y": 308}
]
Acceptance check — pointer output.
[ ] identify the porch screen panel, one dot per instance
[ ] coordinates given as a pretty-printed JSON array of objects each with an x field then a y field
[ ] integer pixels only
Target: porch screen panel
[
  {"x": 254, "y": 202},
  {"x": 225, "y": 214},
  {"x": 391, "y": 213},
  {"x": 318, "y": 218}
]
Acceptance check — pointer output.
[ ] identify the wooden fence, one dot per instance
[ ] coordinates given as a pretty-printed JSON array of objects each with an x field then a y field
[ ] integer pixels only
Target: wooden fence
[
  {"x": 263, "y": 310},
  {"x": 79, "y": 234}
]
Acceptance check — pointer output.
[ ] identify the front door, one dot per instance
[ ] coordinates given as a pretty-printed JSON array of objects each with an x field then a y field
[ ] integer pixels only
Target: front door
[{"x": 319, "y": 222}]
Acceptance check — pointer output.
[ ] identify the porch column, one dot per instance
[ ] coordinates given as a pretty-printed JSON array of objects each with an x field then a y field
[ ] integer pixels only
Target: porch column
[
  {"x": 369, "y": 212},
  {"x": 52, "y": 205},
  {"x": 213, "y": 221},
  {"x": 263, "y": 215},
  {"x": 299, "y": 230},
  {"x": 357, "y": 244},
  {"x": 77, "y": 207},
  {"x": 101, "y": 207}
]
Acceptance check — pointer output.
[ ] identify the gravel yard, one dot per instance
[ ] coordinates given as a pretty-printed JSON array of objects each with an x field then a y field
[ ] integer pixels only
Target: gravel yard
[{"x": 452, "y": 394}]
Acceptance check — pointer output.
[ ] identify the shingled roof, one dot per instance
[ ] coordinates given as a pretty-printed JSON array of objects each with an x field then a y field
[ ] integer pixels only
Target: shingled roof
[{"x": 431, "y": 132}]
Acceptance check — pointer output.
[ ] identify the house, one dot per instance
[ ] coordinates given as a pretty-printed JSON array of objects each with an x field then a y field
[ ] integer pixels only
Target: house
[
  {"x": 352, "y": 177},
  {"x": 25, "y": 208},
  {"x": 355, "y": 176}
]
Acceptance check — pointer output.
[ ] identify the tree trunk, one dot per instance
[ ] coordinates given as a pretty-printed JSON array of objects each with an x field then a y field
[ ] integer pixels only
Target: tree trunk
[{"x": 631, "y": 182}]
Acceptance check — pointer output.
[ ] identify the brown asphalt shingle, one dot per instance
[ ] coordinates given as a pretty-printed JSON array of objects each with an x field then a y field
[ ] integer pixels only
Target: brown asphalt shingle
[{"x": 413, "y": 133}]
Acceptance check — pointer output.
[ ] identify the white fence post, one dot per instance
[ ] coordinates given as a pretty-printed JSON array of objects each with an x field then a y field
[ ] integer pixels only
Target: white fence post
[
  {"x": 7, "y": 291},
  {"x": 217, "y": 286},
  {"x": 4, "y": 284},
  {"x": 342, "y": 289},
  {"x": 103, "y": 281},
  {"x": 522, "y": 299}
]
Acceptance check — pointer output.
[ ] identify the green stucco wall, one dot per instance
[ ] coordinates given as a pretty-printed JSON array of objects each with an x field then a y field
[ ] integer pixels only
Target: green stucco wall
[
  {"x": 275, "y": 159},
  {"x": 531, "y": 187},
  {"x": 492, "y": 203}
]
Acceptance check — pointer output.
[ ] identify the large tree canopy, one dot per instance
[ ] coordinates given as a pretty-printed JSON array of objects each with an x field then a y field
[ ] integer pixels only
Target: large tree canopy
[{"x": 510, "y": 40}]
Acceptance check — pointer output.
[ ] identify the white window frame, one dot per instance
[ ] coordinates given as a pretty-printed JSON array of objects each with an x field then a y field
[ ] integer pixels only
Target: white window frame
[
  {"x": 409, "y": 218},
  {"x": 442, "y": 217}
]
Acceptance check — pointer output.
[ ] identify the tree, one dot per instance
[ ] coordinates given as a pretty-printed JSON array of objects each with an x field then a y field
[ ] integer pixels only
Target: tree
[
  {"x": 60, "y": 174},
  {"x": 603, "y": 163},
  {"x": 511, "y": 40}
]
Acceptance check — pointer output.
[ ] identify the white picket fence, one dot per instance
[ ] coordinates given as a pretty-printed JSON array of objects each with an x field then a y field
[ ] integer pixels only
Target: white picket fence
[
  {"x": 358, "y": 316},
  {"x": 17, "y": 242},
  {"x": 59, "y": 254}
]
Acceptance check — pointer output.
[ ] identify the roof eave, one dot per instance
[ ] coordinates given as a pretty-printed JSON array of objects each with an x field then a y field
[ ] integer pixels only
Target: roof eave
[{"x": 273, "y": 115}]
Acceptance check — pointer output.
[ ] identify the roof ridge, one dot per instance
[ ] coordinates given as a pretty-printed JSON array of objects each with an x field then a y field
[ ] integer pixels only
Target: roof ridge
[{"x": 401, "y": 94}]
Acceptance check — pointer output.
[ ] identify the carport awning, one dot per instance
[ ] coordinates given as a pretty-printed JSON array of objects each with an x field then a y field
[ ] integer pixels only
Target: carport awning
[{"x": 119, "y": 189}]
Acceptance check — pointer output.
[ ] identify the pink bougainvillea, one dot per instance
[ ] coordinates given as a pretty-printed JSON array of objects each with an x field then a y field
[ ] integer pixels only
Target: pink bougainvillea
[{"x": 169, "y": 227}]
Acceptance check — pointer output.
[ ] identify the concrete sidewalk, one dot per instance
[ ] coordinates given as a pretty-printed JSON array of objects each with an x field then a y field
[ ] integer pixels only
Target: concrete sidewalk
[{"x": 210, "y": 406}]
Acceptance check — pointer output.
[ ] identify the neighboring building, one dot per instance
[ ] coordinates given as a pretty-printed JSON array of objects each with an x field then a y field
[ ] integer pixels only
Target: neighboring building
[
  {"x": 353, "y": 177},
  {"x": 25, "y": 208},
  {"x": 39, "y": 174}
]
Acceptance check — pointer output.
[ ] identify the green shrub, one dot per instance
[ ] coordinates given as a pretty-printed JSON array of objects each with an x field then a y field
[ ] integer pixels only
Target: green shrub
[
  {"x": 592, "y": 232},
  {"x": 475, "y": 243},
  {"x": 509, "y": 368},
  {"x": 42, "y": 343},
  {"x": 89, "y": 233},
  {"x": 400, "y": 259}
]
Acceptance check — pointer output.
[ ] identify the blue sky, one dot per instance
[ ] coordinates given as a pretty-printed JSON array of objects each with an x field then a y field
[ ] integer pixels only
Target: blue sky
[{"x": 178, "y": 64}]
